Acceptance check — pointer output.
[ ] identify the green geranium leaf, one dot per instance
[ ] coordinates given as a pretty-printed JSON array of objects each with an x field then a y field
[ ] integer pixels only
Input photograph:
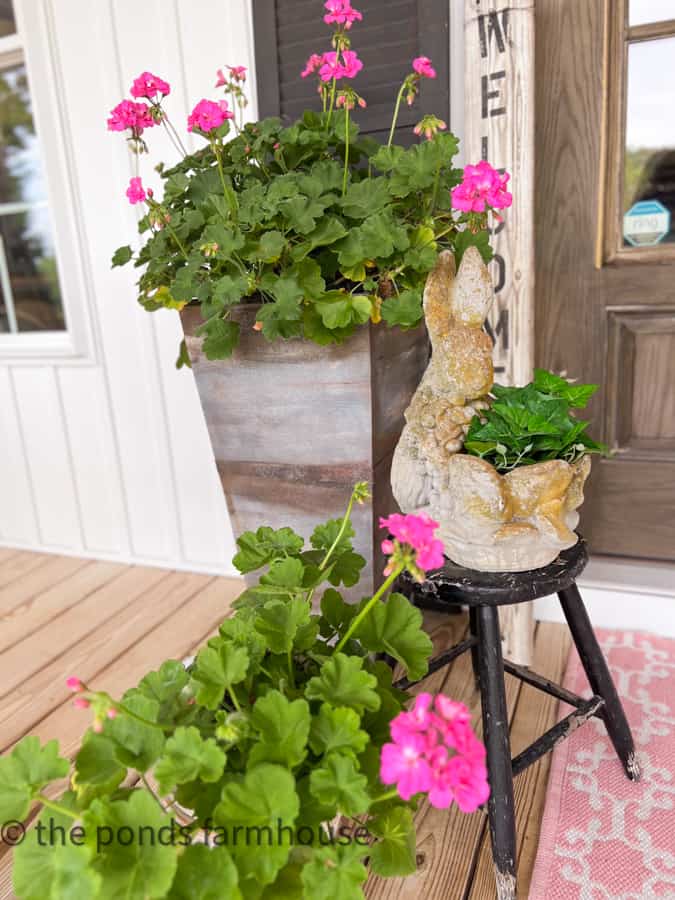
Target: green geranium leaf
[
  {"x": 340, "y": 309},
  {"x": 27, "y": 769},
  {"x": 394, "y": 854},
  {"x": 346, "y": 569},
  {"x": 205, "y": 874},
  {"x": 218, "y": 668},
  {"x": 335, "y": 613},
  {"x": 307, "y": 272},
  {"x": 335, "y": 873},
  {"x": 279, "y": 620},
  {"x": 376, "y": 238},
  {"x": 405, "y": 309},
  {"x": 467, "y": 238},
  {"x": 395, "y": 627},
  {"x": 166, "y": 687},
  {"x": 258, "y": 803},
  {"x": 271, "y": 246},
  {"x": 343, "y": 682},
  {"x": 257, "y": 548},
  {"x": 183, "y": 359},
  {"x": 314, "y": 329},
  {"x": 285, "y": 576},
  {"x": 337, "y": 782},
  {"x": 227, "y": 291},
  {"x": 52, "y": 870},
  {"x": 220, "y": 338},
  {"x": 283, "y": 726},
  {"x": 324, "y": 536},
  {"x": 97, "y": 766},
  {"x": 122, "y": 255},
  {"x": 364, "y": 198},
  {"x": 137, "y": 745},
  {"x": 337, "y": 730},
  {"x": 135, "y": 870},
  {"x": 287, "y": 885},
  {"x": 186, "y": 757}
]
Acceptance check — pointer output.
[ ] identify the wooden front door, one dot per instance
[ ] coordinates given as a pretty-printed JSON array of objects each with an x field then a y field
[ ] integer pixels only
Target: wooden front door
[{"x": 605, "y": 250}]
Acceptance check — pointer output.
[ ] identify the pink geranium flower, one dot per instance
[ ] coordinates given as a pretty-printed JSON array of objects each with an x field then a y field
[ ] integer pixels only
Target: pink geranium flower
[
  {"x": 421, "y": 758},
  {"x": 341, "y": 12},
  {"x": 149, "y": 85},
  {"x": 135, "y": 191},
  {"x": 312, "y": 64},
  {"x": 422, "y": 65},
  {"x": 128, "y": 114},
  {"x": 334, "y": 67},
  {"x": 238, "y": 72},
  {"x": 352, "y": 65},
  {"x": 209, "y": 115},
  {"x": 482, "y": 187},
  {"x": 417, "y": 533}
]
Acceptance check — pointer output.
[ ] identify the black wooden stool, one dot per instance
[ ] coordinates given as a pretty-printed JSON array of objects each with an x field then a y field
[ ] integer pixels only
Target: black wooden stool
[{"x": 483, "y": 592}]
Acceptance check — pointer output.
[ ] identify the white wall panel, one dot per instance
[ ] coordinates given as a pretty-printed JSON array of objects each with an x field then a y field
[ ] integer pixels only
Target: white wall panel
[{"x": 18, "y": 523}]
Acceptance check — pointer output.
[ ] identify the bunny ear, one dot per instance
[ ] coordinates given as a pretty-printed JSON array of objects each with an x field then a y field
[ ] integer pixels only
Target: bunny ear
[
  {"x": 437, "y": 293},
  {"x": 472, "y": 290}
]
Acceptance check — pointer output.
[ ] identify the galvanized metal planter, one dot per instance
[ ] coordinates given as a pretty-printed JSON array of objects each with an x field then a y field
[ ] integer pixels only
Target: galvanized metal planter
[{"x": 294, "y": 425}]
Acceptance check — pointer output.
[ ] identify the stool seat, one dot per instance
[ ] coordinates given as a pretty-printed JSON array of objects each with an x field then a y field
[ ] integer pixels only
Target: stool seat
[{"x": 455, "y": 584}]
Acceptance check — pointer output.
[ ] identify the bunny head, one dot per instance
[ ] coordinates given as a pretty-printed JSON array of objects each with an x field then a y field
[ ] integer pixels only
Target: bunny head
[{"x": 455, "y": 306}]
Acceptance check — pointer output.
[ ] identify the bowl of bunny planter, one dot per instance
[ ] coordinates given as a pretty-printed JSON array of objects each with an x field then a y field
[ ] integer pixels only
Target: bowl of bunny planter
[{"x": 502, "y": 469}]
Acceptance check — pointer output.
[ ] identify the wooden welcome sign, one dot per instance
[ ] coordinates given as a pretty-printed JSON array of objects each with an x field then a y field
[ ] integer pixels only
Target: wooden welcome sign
[{"x": 499, "y": 127}]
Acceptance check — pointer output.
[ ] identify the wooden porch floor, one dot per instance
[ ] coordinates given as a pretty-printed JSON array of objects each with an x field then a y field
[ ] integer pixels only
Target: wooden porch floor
[{"x": 110, "y": 623}]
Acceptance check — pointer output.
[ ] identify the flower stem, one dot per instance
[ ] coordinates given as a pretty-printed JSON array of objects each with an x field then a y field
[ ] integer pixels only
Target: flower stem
[
  {"x": 356, "y": 621},
  {"x": 346, "y": 170},
  {"x": 332, "y": 102},
  {"x": 389, "y": 795},
  {"x": 233, "y": 698},
  {"x": 120, "y": 707},
  {"x": 338, "y": 537},
  {"x": 397, "y": 109},
  {"x": 291, "y": 676},
  {"x": 56, "y": 807}
]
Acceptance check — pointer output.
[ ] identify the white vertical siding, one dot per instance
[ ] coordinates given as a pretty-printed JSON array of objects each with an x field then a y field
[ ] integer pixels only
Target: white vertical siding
[{"x": 109, "y": 456}]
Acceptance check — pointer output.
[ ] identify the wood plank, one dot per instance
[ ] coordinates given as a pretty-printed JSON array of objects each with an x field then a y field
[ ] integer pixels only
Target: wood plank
[
  {"x": 152, "y": 596},
  {"x": 7, "y": 552},
  {"x": 535, "y": 713},
  {"x": 42, "y": 578},
  {"x": 447, "y": 840},
  {"x": 55, "y": 619},
  {"x": 18, "y": 563}
]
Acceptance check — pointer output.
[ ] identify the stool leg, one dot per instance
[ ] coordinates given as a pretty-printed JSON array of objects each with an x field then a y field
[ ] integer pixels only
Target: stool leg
[
  {"x": 600, "y": 679},
  {"x": 501, "y": 812},
  {"x": 475, "y": 656}
]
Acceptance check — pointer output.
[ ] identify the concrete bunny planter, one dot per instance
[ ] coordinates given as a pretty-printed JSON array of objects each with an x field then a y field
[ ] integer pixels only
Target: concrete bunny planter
[
  {"x": 294, "y": 425},
  {"x": 489, "y": 521}
]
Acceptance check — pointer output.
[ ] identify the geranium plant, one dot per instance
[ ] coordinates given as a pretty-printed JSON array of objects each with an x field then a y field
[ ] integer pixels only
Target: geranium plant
[
  {"x": 531, "y": 424},
  {"x": 275, "y": 764},
  {"x": 323, "y": 227}
]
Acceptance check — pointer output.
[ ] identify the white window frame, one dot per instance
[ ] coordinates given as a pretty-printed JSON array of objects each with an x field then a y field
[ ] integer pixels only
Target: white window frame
[{"x": 34, "y": 45}]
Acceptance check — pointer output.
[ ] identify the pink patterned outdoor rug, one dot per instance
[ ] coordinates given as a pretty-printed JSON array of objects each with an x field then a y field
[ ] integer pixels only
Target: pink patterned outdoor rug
[{"x": 604, "y": 837}]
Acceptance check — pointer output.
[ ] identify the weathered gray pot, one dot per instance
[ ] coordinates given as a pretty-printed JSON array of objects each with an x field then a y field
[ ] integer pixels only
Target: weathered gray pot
[{"x": 294, "y": 425}]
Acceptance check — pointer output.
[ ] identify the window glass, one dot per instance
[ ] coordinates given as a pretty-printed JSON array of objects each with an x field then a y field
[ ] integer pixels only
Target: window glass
[
  {"x": 642, "y": 11},
  {"x": 7, "y": 21},
  {"x": 29, "y": 289},
  {"x": 649, "y": 161}
]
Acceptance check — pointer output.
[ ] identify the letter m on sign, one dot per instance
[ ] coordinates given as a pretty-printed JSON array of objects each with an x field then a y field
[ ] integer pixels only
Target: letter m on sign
[{"x": 493, "y": 26}]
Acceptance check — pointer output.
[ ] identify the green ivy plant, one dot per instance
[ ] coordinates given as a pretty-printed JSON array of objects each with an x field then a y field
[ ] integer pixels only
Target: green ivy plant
[
  {"x": 532, "y": 424},
  {"x": 275, "y": 729}
]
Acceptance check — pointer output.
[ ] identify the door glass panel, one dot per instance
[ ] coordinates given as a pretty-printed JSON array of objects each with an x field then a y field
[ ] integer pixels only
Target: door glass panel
[
  {"x": 642, "y": 11},
  {"x": 649, "y": 162},
  {"x": 30, "y": 299},
  {"x": 7, "y": 21}
]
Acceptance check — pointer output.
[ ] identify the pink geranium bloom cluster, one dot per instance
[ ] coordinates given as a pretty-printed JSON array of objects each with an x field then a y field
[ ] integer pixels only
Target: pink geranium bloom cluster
[
  {"x": 422, "y": 65},
  {"x": 209, "y": 115},
  {"x": 237, "y": 73},
  {"x": 436, "y": 752},
  {"x": 149, "y": 85},
  {"x": 417, "y": 533},
  {"x": 482, "y": 187},
  {"x": 341, "y": 12},
  {"x": 334, "y": 65},
  {"x": 129, "y": 114},
  {"x": 135, "y": 191}
]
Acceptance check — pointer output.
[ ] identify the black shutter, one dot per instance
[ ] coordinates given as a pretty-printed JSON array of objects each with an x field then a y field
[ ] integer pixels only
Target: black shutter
[{"x": 391, "y": 35}]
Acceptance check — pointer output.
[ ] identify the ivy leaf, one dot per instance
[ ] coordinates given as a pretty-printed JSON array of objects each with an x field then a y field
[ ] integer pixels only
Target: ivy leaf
[
  {"x": 339, "y": 309},
  {"x": 335, "y": 873},
  {"x": 337, "y": 729},
  {"x": 278, "y": 622},
  {"x": 257, "y": 548},
  {"x": 121, "y": 256},
  {"x": 45, "y": 870},
  {"x": 27, "y": 769},
  {"x": 577, "y": 395},
  {"x": 405, "y": 309},
  {"x": 137, "y": 745},
  {"x": 394, "y": 854},
  {"x": 137, "y": 870},
  {"x": 218, "y": 668},
  {"x": 262, "y": 799},
  {"x": 343, "y": 682},
  {"x": 97, "y": 767},
  {"x": 186, "y": 757},
  {"x": 205, "y": 874},
  {"x": 395, "y": 627},
  {"x": 338, "y": 783},
  {"x": 221, "y": 337},
  {"x": 283, "y": 726}
]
